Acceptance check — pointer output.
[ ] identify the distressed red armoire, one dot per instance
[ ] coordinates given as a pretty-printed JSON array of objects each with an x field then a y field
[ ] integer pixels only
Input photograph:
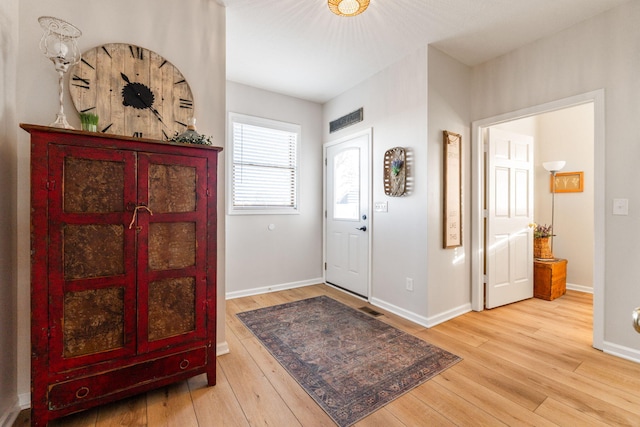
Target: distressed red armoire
[{"x": 123, "y": 278}]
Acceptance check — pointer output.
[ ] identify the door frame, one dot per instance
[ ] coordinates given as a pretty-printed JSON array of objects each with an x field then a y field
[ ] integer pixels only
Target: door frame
[
  {"x": 369, "y": 134},
  {"x": 596, "y": 97}
]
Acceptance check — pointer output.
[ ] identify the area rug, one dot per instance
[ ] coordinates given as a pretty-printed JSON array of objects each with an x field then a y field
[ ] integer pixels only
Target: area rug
[{"x": 350, "y": 363}]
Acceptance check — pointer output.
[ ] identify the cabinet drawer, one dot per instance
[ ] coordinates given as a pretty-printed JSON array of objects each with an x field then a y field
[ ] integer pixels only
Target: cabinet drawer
[{"x": 103, "y": 384}]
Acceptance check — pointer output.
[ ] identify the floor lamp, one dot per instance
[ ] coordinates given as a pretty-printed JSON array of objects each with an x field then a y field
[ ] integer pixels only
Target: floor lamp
[{"x": 553, "y": 168}]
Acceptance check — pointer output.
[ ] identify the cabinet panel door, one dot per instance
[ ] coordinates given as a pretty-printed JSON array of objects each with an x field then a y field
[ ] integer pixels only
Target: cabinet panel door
[
  {"x": 92, "y": 255},
  {"x": 172, "y": 248}
]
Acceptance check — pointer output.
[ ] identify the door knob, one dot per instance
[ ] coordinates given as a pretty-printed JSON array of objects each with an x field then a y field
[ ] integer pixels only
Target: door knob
[
  {"x": 363, "y": 228},
  {"x": 636, "y": 319}
]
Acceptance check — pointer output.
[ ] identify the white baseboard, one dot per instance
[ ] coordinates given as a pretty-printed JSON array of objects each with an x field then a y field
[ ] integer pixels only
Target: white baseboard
[
  {"x": 273, "y": 288},
  {"x": 621, "y": 351},
  {"x": 222, "y": 348},
  {"x": 8, "y": 418},
  {"x": 449, "y": 314},
  {"x": 24, "y": 400},
  {"x": 579, "y": 288},
  {"x": 415, "y": 318},
  {"x": 427, "y": 322},
  {"x": 420, "y": 320}
]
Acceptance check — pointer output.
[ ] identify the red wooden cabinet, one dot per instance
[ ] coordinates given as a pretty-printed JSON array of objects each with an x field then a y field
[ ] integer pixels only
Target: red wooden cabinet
[{"x": 123, "y": 280}]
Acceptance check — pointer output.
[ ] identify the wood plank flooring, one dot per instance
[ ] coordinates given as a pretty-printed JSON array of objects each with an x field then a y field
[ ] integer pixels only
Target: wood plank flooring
[{"x": 529, "y": 363}]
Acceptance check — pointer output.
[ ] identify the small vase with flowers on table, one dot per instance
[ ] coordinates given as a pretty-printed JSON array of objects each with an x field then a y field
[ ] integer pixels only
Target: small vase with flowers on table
[{"x": 549, "y": 273}]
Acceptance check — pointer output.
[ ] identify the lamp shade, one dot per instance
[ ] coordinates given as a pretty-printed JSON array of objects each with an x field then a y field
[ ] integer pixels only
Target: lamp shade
[
  {"x": 348, "y": 7},
  {"x": 554, "y": 166},
  {"x": 58, "y": 41}
]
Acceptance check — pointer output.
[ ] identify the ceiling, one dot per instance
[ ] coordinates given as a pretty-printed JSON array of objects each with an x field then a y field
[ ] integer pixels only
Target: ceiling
[{"x": 299, "y": 48}]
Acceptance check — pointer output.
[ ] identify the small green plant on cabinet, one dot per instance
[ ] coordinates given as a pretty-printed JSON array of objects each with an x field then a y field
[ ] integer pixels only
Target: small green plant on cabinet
[
  {"x": 89, "y": 121},
  {"x": 191, "y": 135},
  {"x": 191, "y": 138}
]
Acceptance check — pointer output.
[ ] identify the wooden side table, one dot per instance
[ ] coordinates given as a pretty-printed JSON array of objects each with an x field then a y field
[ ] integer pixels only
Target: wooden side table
[{"x": 549, "y": 278}]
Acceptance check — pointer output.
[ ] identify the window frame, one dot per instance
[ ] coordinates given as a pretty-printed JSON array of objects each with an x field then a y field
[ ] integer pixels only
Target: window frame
[{"x": 270, "y": 124}]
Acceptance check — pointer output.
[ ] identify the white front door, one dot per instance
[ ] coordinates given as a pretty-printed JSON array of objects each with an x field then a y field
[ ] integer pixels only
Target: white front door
[
  {"x": 509, "y": 242},
  {"x": 347, "y": 224}
]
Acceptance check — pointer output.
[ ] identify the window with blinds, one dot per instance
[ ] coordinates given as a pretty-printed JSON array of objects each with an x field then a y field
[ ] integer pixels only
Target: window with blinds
[{"x": 264, "y": 165}]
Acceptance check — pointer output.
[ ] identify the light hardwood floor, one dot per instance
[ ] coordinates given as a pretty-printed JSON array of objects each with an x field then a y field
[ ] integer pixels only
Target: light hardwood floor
[{"x": 529, "y": 363}]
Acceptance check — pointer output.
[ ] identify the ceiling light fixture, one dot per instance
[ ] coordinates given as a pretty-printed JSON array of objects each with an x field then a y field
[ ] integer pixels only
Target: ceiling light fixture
[{"x": 348, "y": 7}]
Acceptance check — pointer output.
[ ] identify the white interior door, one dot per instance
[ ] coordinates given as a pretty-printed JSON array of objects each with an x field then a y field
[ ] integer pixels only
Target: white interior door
[
  {"x": 347, "y": 225},
  {"x": 509, "y": 242}
]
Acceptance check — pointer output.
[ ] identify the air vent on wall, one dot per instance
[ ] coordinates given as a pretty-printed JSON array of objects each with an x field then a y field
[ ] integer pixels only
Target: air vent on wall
[{"x": 346, "y": 120}]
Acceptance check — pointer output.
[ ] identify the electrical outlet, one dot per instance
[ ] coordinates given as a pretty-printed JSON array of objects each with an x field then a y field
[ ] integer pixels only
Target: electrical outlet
[{"x": 409, "y": 284}]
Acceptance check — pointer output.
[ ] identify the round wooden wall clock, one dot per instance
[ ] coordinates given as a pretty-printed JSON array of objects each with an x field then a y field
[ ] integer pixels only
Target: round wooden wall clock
[{"x": 134, "y": 91}]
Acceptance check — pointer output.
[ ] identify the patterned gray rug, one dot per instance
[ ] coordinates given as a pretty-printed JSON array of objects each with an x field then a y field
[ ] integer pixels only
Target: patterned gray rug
[{"x": 350, "y": 363}]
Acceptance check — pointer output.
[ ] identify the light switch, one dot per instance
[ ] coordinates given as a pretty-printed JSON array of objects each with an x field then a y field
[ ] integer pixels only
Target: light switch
[
  {"x": 380, "y": 207},
  {"x": 621, "y": 206}
]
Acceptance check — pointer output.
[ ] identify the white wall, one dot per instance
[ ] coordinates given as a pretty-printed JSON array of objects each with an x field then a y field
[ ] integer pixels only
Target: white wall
[
  {"x": 449, "y": 279},
  {"x": 191, "y": 35},
  {"x": 395, "y": 106},
  {"x": 8, "y": 146},
  {"x": 409, "y": 104},
  {"x": 259, "y": 259},
  {"x": 568, "y": 135},
  {"x": 599, "y": 53}
]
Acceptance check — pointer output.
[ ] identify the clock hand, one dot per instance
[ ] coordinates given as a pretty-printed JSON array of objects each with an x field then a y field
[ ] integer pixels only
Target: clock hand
[
  {"x": 153, "y": 110},
  {"x": 139, "y": 96}
]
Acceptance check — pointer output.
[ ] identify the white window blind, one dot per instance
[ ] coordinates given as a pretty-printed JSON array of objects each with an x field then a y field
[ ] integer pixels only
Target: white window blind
[{"x": 264, "y": 171}]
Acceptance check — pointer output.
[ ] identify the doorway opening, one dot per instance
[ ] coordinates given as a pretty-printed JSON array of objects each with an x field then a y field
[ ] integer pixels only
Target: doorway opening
[{"x": 595, "y": 98}]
